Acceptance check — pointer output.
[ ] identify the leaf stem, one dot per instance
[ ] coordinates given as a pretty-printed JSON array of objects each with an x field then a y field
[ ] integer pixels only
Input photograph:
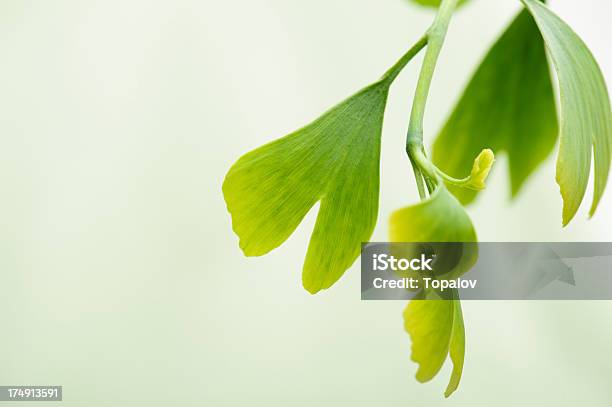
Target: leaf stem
[
  {"x": 434, "y": 39},
  {"x": 418, "y": 176},
  {"x": 395, "y": 70},
  {"x": 425, "y": 166},
  {"x": 436, "y": 35}
]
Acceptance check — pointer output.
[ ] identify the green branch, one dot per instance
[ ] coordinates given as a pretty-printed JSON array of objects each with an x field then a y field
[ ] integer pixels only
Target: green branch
[{"x": 434, "y": 38}]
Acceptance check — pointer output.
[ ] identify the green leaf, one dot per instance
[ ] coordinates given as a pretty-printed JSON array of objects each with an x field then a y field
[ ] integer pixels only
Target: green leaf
[
  {"x": 441, "y": 218},
  {"x": 586, "y": 116},
  {"x": 436, "y": 326},
  {"x": 508, "y": 105},
  {"x": 436, "y": 330},
  {"x": 457, "y": 347},
  {"x": 335, "y": 160},
  {"x": 435, "y": 3}
]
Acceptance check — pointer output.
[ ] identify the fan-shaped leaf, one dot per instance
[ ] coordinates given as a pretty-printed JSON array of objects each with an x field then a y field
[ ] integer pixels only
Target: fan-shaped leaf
[
  {"x": 441, "y": 218},
  {"x": 437, "y": 331},
  {"x": 334, "y": 160},
  {"x": 508, "y": 105},
  {"x": 436, "y": 326},
  {"x": 586, "y": 116}
]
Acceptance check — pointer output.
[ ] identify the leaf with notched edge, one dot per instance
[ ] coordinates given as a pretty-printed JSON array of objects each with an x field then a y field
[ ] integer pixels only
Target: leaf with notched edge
[
  {"x": 436, "y": 326},
  {"x": 508, "y": 105},
  {"x": 437, "y": 331},
  {"x": 335, "y": 160},
  {"x": 586, "y": 116}
]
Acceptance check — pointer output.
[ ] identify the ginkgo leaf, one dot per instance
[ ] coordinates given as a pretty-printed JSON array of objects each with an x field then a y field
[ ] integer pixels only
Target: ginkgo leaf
[
  {"x": 441, "y": 218},
  {"x": 586, "y": 116},
  {"x": 436, "y": 326},
  {"x": 335, "y": 160},
  {"x": 435, "y": 3},
  {"x": 457, "y": 347},
  {"x": 508, "y": 105},
  {"x": 436, "y": 330}
]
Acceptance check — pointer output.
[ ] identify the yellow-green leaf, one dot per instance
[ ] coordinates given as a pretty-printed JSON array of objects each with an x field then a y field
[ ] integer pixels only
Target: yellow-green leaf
[
  {"x": 437, "y": 331},
  {"x": 436, "y": 326},
  {"x": 457, "y": 347},
  {"x": 335, "y": 160},
  {"x": 441, "y": 218},
  {"x": 508, "y": 105},
  {"x": 586, "y": 116}
]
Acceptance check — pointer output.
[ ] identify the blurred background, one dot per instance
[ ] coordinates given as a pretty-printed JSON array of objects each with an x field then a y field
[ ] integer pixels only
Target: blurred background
[{"x": 121, "y": 278}]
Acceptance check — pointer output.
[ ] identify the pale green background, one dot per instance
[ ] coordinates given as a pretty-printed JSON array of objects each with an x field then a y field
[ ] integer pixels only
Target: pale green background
[{"x": 121, "y": 279}]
